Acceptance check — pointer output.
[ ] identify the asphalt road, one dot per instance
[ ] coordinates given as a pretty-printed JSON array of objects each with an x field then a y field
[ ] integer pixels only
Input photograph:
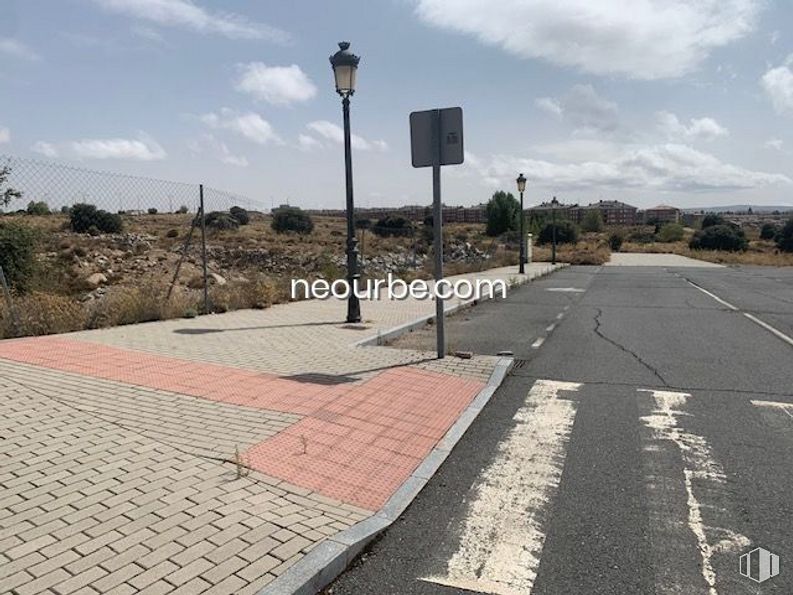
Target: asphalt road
[{"x": 641, "y": 447}]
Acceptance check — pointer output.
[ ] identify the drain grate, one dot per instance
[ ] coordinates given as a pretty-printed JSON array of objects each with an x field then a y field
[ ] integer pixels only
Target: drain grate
[{"x": 520, "y": 364}]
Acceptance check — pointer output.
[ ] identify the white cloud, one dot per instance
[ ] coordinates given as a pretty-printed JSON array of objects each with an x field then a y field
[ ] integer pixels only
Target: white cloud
[
  {"x": 778, "y": 85},
  {"x": 5, "y": 135},
  {"x": 187, "y": 14},
  {"x": 774, "y": 143},
  {"x": 143, "y": 148},
  {"x": 249, "y": 125},
  {"x": 45, "y": 148},
  {"x": 307, "y": 143},
  {"x": 278, "y": 85},
  {"x": 226, "y": 156},
  {"x": 335, "y": 134},
  {"x": 582, "y": 107},
  {"x": 669, "y": 167},
  {"x": 17, "y": 49},
  {"x": 698, "y": 128},
  {"x": 647, "y": 39}
]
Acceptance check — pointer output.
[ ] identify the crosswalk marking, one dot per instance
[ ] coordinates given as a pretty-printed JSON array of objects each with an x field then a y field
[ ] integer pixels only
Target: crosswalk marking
[
  {"x": 502, "y": 537},
  {"x": 698, "y": 463}
]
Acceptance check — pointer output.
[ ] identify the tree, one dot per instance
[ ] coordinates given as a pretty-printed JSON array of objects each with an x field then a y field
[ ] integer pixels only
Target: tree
[
  {"x": 503, "y": 214},
  {"x": 38, "y": 208},
  {"x": 615, "y": 242},
  {"x": 671, "y": 232},
  {"x": 7, "y": 194},
  {"x": 712, "y": 219},
  {"x": 566, "y": 233},
  {"x": 784, "y": 239},
  {"x": 240, "y": 214},
  {"x": 768, "y": 231},
  {"x": 592, "y": 221},
  {"x": 719, "y": 237},
  {"x": 85, "y": 218},
  {"x": 292, "y": 219},
  {"x": 16, "y": 254},
  {"x": 393, "y": 226}
]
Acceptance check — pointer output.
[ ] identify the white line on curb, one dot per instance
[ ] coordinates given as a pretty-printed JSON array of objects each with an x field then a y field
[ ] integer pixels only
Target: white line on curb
[{"x": 502, "y": 537}]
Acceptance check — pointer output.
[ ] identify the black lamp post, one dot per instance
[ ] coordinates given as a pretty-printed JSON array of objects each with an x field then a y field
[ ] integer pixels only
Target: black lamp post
[
  {"x": 554, "y": 204},
  {"x": 521, "y": 187},
  {"x": 345, "y": 67}
]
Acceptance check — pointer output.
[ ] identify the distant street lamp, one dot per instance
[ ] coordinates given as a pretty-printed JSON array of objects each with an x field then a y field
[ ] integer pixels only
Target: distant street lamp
[
  {"x": 554, "y": 204},
  {"x": 521, "y": 187},
  {"x": 345, "y": 68}
]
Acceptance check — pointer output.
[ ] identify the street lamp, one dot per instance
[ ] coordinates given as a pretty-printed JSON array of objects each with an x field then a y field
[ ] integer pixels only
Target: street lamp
[
  {"x": 345, "y": 67},
  {"x": 521, "y": 187},
  {"x": 554, "y": 204}
]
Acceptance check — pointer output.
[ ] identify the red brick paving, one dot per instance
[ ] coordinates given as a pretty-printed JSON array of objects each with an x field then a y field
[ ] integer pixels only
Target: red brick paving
[{"x": 358, "y": 443}]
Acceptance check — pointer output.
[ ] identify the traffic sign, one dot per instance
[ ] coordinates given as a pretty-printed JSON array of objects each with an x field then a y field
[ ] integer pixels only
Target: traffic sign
[{"x": 422, "y": 148}]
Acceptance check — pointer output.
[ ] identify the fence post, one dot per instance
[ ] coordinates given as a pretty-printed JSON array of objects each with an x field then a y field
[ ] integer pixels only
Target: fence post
[
  {"x": 7, "y": 294},
  {"x": 204, "y": 248}
]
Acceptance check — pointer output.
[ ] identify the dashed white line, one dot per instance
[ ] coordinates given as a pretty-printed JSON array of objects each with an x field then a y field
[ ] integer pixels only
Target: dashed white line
[
  {"x": 538, "y": 343},
  {"x": 560, "y": 316},
  {"x": 550, "y": 327},
  {"x": 502, "y": 539}
]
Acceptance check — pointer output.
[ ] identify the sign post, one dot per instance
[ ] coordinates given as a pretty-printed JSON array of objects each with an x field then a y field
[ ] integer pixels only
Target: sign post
[{"x": 436, "y": 139}]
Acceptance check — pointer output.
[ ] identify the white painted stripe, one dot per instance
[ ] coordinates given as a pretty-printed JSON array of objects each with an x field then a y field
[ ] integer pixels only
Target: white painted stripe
[
  {"x": 784, "y": 407},
  {"x": 769, "y": 328},
  {"x": 566, "y": 289},
  {"x": 566, "y": 308},
  {"x": 698, "y": 463},
  {"x": 502, "y": 538},
  {"x": 714, "y": 296},
  {"x": 537, "y": 343},
  {"x": 550, "y": 327},
  {"x": 560, "y": 316}
]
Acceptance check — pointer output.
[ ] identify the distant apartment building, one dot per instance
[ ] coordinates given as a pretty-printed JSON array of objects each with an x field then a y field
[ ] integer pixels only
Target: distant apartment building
[
  {"x": 415, "y": 213},
  {"x": 613, "y": 212},
  {"x": 662, "y": 214}
]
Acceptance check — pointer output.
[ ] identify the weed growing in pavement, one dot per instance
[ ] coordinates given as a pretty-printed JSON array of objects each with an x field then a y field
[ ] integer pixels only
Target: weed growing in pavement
[{"x": 242, "y": 465}]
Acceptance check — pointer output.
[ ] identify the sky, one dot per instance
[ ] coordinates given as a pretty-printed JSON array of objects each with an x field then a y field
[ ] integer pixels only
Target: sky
[{"x": 682, "y": 102}]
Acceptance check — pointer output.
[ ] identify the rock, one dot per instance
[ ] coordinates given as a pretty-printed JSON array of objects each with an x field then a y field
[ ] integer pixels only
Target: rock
[
  {"x": 464, "y": 354},
  {"x": 96, "y": 279},
  {"x": 216, "y": 279}
]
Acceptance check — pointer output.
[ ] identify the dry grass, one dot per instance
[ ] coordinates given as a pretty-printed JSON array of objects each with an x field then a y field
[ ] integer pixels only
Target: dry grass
[
  {"x": 41, "y": 314},
  {"x": 587, "y": 252}
]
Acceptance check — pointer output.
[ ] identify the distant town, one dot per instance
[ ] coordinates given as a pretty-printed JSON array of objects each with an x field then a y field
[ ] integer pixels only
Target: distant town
[{"x": 613, "y": 212}]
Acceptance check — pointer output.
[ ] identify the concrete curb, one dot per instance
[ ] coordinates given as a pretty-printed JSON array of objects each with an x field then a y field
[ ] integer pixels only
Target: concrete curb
[
  {"x": 393, "y": 333},
  {"x": 330, "y": 558}
]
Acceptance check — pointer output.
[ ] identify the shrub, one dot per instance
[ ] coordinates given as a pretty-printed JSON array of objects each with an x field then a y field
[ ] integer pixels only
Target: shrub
[
  {"x": 784, "y": 239},
  {"x": 719, "y": 237},
  {"x": 592, "y": 221},
  {"x": 240, "y": 214},
  {"x": 671, "y": 232},
  {"x": 502, "y": 212},
  {"x": 219, "y": 220},
  {"x": 85, "y": 218},
  {"x": 768, "y": 231},
  {"x": 65, "y": 210},
  {"x": 16, "y": 254},
  {"x": 363, "y": 223},
  {"x": 152, "y": 211},
  {"x": 615, "y": 242},
  {"x": 566, "y": 233},
  {"x": 712, "y": 219},
  {"x": 182, "y": 210},
  {"x": 38, "y": 208},
  {"x": 292, "y": 219},
  {"x": 393, "y": 226}
]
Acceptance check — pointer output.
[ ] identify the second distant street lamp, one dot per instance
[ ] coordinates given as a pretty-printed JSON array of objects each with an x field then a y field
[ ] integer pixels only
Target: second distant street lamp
[
  {"x": 521, "y": 187},
  {"x": 554, "y": 204},
  {"x": 345, "y": 67}
]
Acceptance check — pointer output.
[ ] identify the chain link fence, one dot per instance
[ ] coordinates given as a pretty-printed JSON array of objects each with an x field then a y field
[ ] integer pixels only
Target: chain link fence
[{"x": 38, "y": 187}]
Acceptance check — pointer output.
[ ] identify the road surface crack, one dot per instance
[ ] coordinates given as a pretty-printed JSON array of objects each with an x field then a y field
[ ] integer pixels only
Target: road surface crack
[{"x": 621, "y": 347}]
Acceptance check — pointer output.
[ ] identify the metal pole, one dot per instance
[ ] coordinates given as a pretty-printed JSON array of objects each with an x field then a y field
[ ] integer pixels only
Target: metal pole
[
  {"x": 437, "y": 229},
  {"x": 353, "y": 276},
  {"x": 553, "y": 231},
  {"x": 521, "y": 268},
  {"x": 204, "y": 248}
]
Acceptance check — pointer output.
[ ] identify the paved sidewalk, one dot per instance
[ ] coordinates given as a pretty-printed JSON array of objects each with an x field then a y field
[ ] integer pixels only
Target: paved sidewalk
[
  {"x": 647, "y": 259},
  {"x": 210, "y": 455}
]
